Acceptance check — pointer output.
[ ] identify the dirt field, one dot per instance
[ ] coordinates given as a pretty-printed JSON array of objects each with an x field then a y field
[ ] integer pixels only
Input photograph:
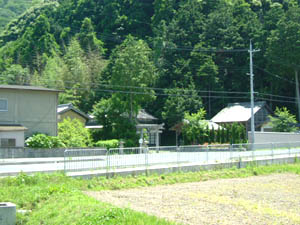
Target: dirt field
[{"x": 273, "y": 199}]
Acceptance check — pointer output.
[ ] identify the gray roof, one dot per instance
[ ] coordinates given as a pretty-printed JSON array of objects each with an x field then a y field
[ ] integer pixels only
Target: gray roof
[
  {"x": 237, "y": 112},
  {"x": 66, "y": 107},
  {"x": 31, "y": 88},
  {"x": 143, "y": 115}
]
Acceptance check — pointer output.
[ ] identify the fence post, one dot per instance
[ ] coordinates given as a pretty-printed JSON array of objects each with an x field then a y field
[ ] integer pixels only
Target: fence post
[
  {"x": 240, "y": 161},
  {"x": 65, "y": 161},
  {"x": 121, "y": 147},
  {"x": 207, "y": 148},
  {"x": 253, "y": 149},
  {"x": 230, "y": 152},
  {"x": 178, "y": 155},
  {"x": 289, "y": 147},
  {"x": 107, "y": 162},
  {"x": 272, "y": 147}
]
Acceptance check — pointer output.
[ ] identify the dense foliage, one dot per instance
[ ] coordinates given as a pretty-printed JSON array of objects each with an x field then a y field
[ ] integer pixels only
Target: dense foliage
[
  {"x": 44, "y": 141},
  {"x": 73, "y": 133},
  {"x": 108, "y": 144},
  {"x": 167, "y": 56},
  {"x": 197, "y": 130},
  {"x": 11, "y": 9},
  {"x": 283, "y": 121}
]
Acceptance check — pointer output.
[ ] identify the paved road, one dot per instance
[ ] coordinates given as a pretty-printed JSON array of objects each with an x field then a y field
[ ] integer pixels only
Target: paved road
[{"x": 13, "y": 166}]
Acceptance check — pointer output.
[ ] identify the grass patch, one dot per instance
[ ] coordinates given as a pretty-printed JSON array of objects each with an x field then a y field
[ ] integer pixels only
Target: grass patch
[{"x": 57, "y": 199}]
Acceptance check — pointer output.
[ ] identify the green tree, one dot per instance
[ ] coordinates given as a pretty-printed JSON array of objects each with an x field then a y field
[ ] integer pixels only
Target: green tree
[
  {"x": 194, "y": 128},
  {"x": 37, "y": 43},
  {"x": 15, "y": 74},
  {"x": 87, "y": 38},
  {"x": 53, "y": 74},
  {"x": 218, "y": 136},
  {"x": 76, "y": 78},
  {"x": 284, "y": 46},
  {"x": 116, "y": 124},
  {"x": 283, "y": 121},
  {"x": 212, "y": 135},
  {"x": 179, "y": 101},
  {"x": 73, "y": 133},
  {"x": 132, "y": 69}
]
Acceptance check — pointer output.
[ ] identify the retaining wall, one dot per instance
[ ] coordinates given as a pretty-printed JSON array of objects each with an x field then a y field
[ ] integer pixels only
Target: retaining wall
[
  {"x": 184, "y": 167},
  {"x": 7, "y": 153},
  {"x": 274, "y": 137}
]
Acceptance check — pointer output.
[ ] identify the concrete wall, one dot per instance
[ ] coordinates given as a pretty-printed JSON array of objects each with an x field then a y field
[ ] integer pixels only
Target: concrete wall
[
  {"x": 35, "y": 110},
  {"x": 184, "y": 168},
  {"x": 7, "y": 153},
  {"x": 274, "y": 137},
  {"x": 18, "y": 135}
]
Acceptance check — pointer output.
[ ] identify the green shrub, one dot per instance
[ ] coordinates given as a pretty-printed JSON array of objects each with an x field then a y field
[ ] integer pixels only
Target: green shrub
[
  {"x": 44, "y": 141},
  {"x": 130, "y": 143},
  {"x": 73, "y": 133},
  {"x": 114, "y": 143}
]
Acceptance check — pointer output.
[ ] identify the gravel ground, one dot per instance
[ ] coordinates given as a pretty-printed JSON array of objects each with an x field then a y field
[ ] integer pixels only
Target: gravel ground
[{"x": 273, "y": 199}]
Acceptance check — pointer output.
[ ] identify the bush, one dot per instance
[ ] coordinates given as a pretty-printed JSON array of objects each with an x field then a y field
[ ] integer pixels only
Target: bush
[
  {"x": 283, "y": 121},
  {"x": 130, "y": 143},
  {"x": 44, "y": 141},
  {"x": 73, "y": 133},
  {"x": 114, "y": 143}
]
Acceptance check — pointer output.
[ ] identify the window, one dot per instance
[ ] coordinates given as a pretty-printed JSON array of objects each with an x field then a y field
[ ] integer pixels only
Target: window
[
  {"x": 3, "y": 105},
  {"x": 8, "y": 142}
]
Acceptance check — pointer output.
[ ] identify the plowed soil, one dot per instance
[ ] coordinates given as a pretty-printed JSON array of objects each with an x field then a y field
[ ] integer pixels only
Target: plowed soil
[{"x": 272, "y": 199}]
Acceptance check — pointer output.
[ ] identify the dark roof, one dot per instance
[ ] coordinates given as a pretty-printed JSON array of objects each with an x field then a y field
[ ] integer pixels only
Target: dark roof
[
  {"x": 31, "y": 88},
  {"x": 66, "y": 107}
]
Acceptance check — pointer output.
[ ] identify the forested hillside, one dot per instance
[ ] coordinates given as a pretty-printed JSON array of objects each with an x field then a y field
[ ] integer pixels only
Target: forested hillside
[
  {"x": 168, "y": 56},
  {"x": 11, "y": 9}
]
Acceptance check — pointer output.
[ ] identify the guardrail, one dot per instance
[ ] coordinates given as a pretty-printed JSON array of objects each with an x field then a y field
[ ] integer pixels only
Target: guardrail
[{"x": 146, "y": 157}]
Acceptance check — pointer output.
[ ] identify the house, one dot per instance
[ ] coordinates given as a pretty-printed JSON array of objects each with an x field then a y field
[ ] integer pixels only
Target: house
[
  {"x": 69, "y": 111},
  {"x": 12, "y": 135},
  {"x": 241, "y": 113},
  {"x": 148, "y": 123},
  {"x": 93, "y": 123},
  {"x": 27, "y": 110}
]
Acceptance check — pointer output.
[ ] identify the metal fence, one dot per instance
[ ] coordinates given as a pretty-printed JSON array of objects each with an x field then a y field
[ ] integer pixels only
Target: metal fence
[
  {"x": 164, "y": 156},
  {"x": 84, "y": 159}
]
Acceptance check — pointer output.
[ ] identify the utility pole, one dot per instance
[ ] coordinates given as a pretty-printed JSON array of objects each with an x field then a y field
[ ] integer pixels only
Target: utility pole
[
  {"x": 297, "y": 92},
  {"x": 251, "y": 51}
]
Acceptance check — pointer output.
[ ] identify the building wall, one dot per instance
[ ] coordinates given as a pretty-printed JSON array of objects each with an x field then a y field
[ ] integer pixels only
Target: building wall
[
  {"x": 18, "y": 135},
  {"x": 72, "y": 115},
  {"x": 35, "y": 110},
  {"x": 274, "y": 137}
]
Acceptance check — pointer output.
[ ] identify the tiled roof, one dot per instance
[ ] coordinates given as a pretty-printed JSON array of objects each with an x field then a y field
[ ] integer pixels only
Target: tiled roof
[{"x": 65, "y": 107}]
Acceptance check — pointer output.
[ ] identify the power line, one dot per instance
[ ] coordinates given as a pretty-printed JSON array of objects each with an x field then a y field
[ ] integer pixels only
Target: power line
[
  {"x": 96, "y": 86},
  {"x": 275, "y": 100},
  {"x": 279, "y": 96},
  {"x": 274, "y": 75}
]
